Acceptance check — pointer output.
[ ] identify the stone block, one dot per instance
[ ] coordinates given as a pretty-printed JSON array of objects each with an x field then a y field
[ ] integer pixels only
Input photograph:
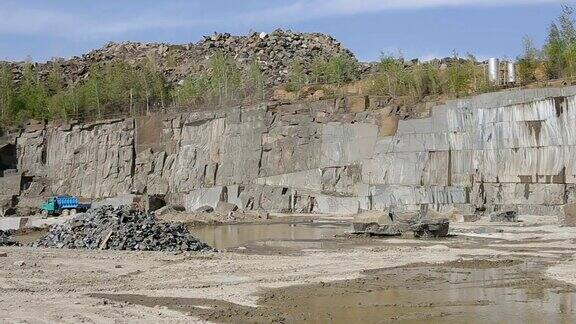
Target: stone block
[
  {"x": 504, "y": 216},
  {"x": 10, "y": 185},
  {"x": 376, "y": 223},
  {"x": 388, "y": 126},
  {"x": 276, "y": 199},
  {"x": 568, "y": 218},
  {"x": 12, "y": 223},
  {"x": 374, "y": 216},
  {"x": 358, "y": 104},
  {"x": 117, "y": 201},
  {"x": 308, "y": 179},
  {"x": 27, "y": 206},
  {"x": 392, "y": 229},
  {"x": 337, "y": 205},
  {"x": 342, "y": 180},
  {"x": 345, "y": 144},
  {"x": 224, "y": 208},
  {"x": 203, "y": 197},
  {"x": 430, "y": 228}
]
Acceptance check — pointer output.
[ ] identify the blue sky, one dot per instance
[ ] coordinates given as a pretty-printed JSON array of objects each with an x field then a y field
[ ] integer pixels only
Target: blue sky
[{"x": 43, "y": 29}]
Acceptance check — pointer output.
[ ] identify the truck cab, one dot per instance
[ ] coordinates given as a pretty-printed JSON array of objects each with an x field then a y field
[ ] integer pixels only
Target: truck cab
[{"x": 49, "y": 207}]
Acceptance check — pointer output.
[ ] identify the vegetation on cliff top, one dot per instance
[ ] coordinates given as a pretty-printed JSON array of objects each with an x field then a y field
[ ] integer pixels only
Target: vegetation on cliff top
[{"x": 117, "y": 88}]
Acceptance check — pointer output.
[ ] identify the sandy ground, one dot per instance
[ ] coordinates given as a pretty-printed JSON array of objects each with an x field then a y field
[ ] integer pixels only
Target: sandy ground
[{"x": 49, "y": 285}]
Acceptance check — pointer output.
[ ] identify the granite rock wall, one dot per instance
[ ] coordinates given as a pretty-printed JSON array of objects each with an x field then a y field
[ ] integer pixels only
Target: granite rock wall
[{"x": 493, "y": 151}]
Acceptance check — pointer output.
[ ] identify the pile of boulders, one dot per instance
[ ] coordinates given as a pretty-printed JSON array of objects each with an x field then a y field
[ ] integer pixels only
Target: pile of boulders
[
  {"x": 6, "y": 238},
  {"x": 277, "y": 51},
  {"x": 274, "y": 52},
  {"x": 120, "y": 229}
]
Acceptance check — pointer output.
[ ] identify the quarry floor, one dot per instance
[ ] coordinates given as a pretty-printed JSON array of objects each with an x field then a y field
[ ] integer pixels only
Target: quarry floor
[{"x": 311, "y": 271}]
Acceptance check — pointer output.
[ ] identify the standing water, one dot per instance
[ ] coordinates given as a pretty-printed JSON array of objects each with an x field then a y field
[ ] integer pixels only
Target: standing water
[{"x": 302, "y": 234}]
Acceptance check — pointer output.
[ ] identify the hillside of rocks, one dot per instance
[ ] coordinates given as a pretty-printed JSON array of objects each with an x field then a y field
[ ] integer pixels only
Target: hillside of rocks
[{"x": 274, "y": 52}]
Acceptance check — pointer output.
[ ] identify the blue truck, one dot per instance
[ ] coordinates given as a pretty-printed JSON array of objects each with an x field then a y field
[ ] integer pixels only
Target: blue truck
[{"x": 63, "y": 205}]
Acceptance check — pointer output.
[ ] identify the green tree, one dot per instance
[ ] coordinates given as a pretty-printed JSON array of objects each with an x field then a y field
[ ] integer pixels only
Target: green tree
[
  {"x": 318, "y": 70},
  {"x": 152, "y": 84},
  {"x": 221, "y": 84},
  {"x": 297, "y": 77},
  {"x": 54, "y": 82},
  {"x": 6, "y": 92},
  {"x": 392, "y": 79},
  {"x": 553, "y": 51},
  {"x": 341, "y": 69},
  {"x": 62, "y": 105},
  {"x": 528, "y": 62},
  {"x": 560, "y": 48},
  {"x": 32, "y": 95},
  {"x": 459, "y": 76},
  {"x": 193, "y": 90},
  {"x": 255, "y": 82},
  {"x": 91, "y": 92},
  {"x": 225, "y": 78},
  {"x": 567, "y": 25}
]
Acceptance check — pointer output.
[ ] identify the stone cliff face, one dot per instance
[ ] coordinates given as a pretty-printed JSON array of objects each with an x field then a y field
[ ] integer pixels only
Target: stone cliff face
[{"x": 493, "y": 151}]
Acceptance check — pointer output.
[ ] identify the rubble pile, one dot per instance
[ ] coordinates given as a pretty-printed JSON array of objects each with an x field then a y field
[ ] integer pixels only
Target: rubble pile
[
  {"x": 6, "y": 238},
  {"x": 275, "y": 53},
  {"x": 120, "y": 229}
]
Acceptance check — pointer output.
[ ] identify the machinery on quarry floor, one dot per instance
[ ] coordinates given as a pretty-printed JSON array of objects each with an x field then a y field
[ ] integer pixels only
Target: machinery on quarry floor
[{"x": 63, "y": 205}]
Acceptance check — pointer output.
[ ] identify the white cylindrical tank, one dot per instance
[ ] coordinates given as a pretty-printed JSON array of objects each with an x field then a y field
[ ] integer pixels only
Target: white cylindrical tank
[
  {"x": 494, "y": 70},
  {"x": 511, "y": 71}
]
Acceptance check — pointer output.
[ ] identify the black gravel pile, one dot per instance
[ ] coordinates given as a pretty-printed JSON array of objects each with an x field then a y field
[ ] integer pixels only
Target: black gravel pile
[
  {"x": 120, "y": 229},
  {"x": 6, "y": 239}
]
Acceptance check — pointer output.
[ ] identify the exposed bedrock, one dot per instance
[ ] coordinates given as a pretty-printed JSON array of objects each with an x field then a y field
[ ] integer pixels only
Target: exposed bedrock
[{"x": 512, "y": 149}]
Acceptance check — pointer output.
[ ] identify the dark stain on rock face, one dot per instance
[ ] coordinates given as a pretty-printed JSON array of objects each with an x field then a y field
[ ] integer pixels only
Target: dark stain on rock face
[
  {"x": 535, "y": 127},
  {"x": 559, "y": 103}
]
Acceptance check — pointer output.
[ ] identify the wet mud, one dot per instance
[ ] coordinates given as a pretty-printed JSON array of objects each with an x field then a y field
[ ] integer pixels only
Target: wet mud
[{"x": 472, "y": 291}]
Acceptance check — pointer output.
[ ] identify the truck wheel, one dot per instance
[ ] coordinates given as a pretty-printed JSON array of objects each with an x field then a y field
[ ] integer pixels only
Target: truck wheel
[
  {"x": 65, "y": 212},
  {"x": 72, "y": 212},
  {"x": 44, "y": 213}
]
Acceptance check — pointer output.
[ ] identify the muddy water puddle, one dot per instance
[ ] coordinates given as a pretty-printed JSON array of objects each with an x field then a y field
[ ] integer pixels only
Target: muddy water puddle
[
  {"x": 466, "y": 292},
  {"x": 433, "y": 295},
  {"x": 295, "y": 235}
]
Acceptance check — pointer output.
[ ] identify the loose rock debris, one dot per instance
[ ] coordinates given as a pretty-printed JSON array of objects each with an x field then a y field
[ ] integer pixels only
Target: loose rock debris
[
  {"x": 120, "y": 229},
  {"x": 6, "y": 238},
  {"x": 504, "y": 216}
]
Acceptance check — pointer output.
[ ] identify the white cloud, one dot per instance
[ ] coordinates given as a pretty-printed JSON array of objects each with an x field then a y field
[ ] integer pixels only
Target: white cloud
[
  {"x": 303, "y": 10},
  {"x": 19, "y": 20},
  {"x": 78, "y": 25}
]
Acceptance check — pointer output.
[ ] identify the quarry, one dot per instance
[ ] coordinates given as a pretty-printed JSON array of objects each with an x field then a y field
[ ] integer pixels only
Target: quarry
[
  {"x": 333, "y": 206},
  {"x": 305, "y": 172}
]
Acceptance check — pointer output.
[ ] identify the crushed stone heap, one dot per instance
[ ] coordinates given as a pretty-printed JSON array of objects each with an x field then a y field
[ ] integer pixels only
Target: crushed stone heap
[
  {"x": 120, "y": 229},
  {"x": 274, "y": 52},
  {"x": 6, "y": 239}
]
